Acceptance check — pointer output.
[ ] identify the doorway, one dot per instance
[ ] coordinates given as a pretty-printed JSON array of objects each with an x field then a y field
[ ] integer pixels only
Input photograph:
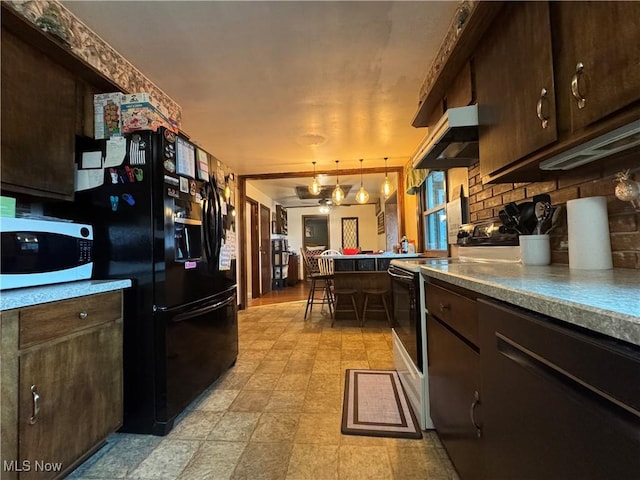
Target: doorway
[
  {"x": 265, "y": 249},
  {"x": 252, "y": 231},
  {"x": 315, "y": 231}
]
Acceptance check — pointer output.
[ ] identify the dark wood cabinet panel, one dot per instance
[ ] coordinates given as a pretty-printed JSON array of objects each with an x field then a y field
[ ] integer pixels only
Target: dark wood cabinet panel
[
  {"x": 461, "y": 91},
  {"x": 80, "y": 404},
  {"x": 604, "y": 37},
  {"x": 38, "y": 122},
  {"x": 513, "y": 64},
  {"x": 454, "y": 382},
  {"x": 557, "y": 403}
]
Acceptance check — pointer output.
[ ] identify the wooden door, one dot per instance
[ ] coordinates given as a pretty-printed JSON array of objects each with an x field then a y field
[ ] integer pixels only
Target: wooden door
[
  {"x": 513, "y": 65},
  {"x": 265, "y": 249},
  {"x": 254, "y": 248},
  {"x": 38, "y": 122},
  {"x": 604, "y": 37},
  {"x": 79, "y": 381}
]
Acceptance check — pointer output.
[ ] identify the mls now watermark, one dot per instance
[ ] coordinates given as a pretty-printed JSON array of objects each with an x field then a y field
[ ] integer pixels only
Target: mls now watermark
[{"x": 29, "y": 466}]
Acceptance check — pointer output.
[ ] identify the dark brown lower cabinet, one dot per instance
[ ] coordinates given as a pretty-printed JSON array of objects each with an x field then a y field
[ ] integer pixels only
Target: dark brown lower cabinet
[
  {"x": 454, "y": 389},
  {"x": 557, "y": 402}
]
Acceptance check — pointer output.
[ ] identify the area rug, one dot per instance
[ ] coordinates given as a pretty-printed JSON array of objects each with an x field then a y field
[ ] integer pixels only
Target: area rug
[{"x": 375, "y": 405}]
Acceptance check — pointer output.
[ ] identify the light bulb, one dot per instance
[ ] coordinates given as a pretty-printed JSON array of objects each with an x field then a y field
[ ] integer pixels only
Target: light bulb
[
  {"x": 315, "y": 187},
  {"x": 362, "y": 196},
  {"x": 387, "y": 188},
  {"x": 337, "y": 195},
  {"x": 324, "y": 209}
]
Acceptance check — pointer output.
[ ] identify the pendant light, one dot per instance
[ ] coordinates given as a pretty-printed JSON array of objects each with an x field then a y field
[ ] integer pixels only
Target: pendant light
[
  {"x": 338, "y": 193},
  {"x": 315, "y": 187},
  {"x": 362, "y": 196},
  {"x": 387, "y": 187}
]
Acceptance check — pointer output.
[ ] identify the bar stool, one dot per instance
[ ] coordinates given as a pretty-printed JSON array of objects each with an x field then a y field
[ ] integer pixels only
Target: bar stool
[
  {"x": 315, "y": 275},
  {"x": 325, "y": 262},
  {"x": 344, "y": 292},
  {"x": 375, "y": 293}
]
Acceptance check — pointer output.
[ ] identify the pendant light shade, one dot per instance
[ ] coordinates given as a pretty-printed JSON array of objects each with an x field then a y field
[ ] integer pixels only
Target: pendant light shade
[
  {"x": 362, "y": 196},
  {"x": 387, "y": 186},
  {"x": 315, "y": 187},
  {"x": 338, "y": 193}
]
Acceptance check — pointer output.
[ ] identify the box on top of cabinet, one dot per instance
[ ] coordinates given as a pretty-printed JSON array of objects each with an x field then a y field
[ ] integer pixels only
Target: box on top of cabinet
[
  {"x": 140, "y": 112},
  {"x": 107, "y": 114}
]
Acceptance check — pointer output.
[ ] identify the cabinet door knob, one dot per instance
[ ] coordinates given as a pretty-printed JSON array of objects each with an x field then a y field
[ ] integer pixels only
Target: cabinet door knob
[
  {"x": 472, "y": 412},
  {"x": 543, "y": 96},
  {"x": 444, "y": 307},
  {"x": 575, "y": 88},
  {"x": 35, "y": 405},
  {"x": 83, "y": 315}
]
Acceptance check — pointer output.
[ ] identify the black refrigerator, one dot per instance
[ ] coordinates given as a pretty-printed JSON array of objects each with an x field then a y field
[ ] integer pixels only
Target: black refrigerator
[{"x": 160, "y": 219}]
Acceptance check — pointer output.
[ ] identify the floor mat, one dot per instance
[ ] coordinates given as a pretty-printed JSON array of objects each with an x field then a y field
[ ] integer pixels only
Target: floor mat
[{"x": 375, "y": 405}]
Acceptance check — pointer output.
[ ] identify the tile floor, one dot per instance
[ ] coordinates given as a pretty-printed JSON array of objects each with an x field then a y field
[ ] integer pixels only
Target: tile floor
[{"x": 277, "y": 413}]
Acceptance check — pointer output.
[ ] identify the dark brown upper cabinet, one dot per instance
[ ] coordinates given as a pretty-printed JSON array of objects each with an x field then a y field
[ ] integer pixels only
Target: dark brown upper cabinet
[
  {"x": 596, "y": 57},
  {"x": 550, "y": 76},
  {"x": 38, "y": 122},
  {"x": 515, "y": 89}
]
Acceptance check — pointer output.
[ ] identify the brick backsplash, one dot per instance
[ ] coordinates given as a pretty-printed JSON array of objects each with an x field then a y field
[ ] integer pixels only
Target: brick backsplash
[{"x": 485, "y": 201}]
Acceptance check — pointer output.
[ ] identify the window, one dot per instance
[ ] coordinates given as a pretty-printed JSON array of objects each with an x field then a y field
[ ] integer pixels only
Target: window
[{"x": 434, "y": 200}]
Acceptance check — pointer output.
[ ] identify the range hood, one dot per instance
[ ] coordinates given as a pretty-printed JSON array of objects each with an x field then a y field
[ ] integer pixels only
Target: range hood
[
  {"x": 612, "y": 142},
  {"x": 451, "y": 142}
]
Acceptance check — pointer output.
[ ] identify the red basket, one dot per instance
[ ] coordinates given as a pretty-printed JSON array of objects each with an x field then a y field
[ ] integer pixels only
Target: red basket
[{"x": 350, "y": 251}]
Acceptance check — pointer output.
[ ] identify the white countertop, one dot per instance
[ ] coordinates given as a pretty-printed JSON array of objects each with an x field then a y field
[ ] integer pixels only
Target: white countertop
[
  {"x": 605, "y": 301},
  {"x": 25, "y": 297}
]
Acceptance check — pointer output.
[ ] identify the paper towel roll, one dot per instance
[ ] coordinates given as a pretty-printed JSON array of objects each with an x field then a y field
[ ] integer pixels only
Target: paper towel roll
[{"x": 589, "y": 242}]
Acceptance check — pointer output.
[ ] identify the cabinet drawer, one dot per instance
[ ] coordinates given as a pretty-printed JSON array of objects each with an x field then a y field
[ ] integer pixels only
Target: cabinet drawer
[
  {"x": 45, "y": 322},
  {"x": 457, "y": 311}
]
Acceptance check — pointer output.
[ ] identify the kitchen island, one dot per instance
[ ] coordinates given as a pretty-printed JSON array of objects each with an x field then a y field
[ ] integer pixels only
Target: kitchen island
[{"x": 364, "y": 272}]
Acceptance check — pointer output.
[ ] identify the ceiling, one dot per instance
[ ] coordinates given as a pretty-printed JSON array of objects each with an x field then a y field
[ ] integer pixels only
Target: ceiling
[{"x": 269, "y": 87}]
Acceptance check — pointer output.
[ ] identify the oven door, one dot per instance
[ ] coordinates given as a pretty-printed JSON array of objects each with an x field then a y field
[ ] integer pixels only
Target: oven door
[{"x": 405, "y": 290}]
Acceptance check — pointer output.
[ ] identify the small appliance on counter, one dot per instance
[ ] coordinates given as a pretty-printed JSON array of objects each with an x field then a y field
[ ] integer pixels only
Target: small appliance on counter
[{"x": 42, "y": 252}]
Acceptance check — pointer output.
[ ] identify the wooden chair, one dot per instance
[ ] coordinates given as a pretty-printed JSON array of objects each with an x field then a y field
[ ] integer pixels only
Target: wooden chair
[
  {"x": 325, "y": 263},
  {"x": 313, "y": 273}
]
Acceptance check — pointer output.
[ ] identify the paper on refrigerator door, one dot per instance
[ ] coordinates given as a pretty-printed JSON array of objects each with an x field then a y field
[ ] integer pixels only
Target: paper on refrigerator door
[
  {"x": 86, "y": 179},
  {"x": 225, "y": 258},
  {"x": 116, "y": 151}
]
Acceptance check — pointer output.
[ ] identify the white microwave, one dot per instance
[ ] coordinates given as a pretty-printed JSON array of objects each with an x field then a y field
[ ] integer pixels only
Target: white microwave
[{"x": 37, "y": 252}]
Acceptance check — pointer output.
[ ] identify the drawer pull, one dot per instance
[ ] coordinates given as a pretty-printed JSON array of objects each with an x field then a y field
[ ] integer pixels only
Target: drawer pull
[
  {"x": 83, "y": 315},
  {"x": 543, "y": 120},
  {"x": 575, "y": 88},
  {"x": 472, "y": 412},
  {"x": 35, "y": 405},
  {"x": 444, "y": 307}
]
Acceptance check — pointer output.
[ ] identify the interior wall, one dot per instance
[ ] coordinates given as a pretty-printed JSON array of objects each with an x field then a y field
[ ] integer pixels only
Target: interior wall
[{"x": 247, "y": 245}]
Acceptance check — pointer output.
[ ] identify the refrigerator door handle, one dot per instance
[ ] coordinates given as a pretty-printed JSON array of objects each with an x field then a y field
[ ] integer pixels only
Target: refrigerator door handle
[
  {"x": 206, "y": 223},
  {"x": 201, "y": 311},
  {"x": 217, "y": 224}
]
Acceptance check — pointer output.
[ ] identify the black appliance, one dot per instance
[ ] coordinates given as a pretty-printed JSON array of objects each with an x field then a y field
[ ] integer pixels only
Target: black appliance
[{"x": 160, "y": 220}]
